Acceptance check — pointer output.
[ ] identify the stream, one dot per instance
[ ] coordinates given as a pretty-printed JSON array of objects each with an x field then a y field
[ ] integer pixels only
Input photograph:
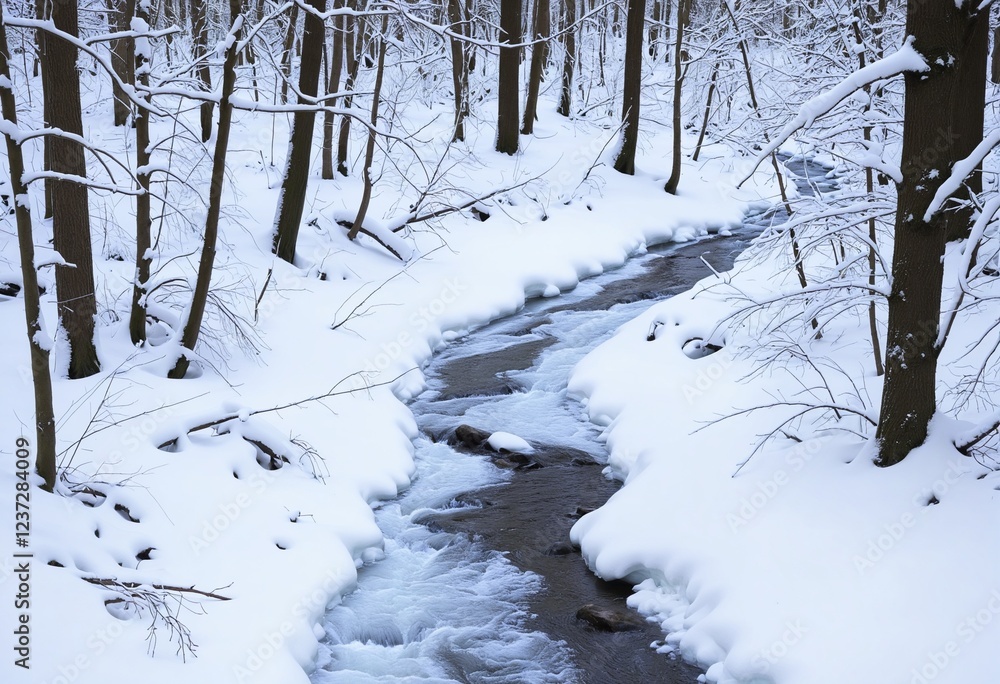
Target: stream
[{"x": 479, "y": 583}]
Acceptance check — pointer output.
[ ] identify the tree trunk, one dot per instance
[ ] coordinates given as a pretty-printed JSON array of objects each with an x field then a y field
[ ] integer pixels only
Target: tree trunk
[
  {"x": 352, "y": 43},
  {"x": 137, "y": 317},
  {"x": 569, "y": 57},
  {"x": 192, "y": 327},
  {"x": 293, "y": 189},
  {"x": 287, "y": 52},
  {"x": 333, "y": 85},
  {"x": 43, "y": 13},
  {"x": 632, "y": 89},
  {"x": 969, "y": 123},
  {"x": 995, "y": 59},
  {"x": 539, "y": 57},
  {"x": 199, "y": 20},
  {"x": 45, "y": 426},
  {"x": 366, "y": 196},
  {"x": 508, "y": 86},
  {"x": 119, "y": 19},
  {"x": 70, "y": 203},
  {"x": 932, "y": 114},
  {"x": 459, "y": 73},
  {"x": 683, "y": 10}
]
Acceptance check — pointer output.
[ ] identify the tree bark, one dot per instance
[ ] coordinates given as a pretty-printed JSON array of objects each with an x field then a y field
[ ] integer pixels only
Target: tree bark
[
  {"x": 969, "y": 123},
  {"x": 333, "y": 85},
  {"x": 199, "y": 27},
  {"x": 459, "y": 69},
  {"x": 569, "y": 57},
  {"x": 143, "y": 221},
  {"x": 632, "y": 89},
  {"x": 293, "y": 188},
  {"x": 70, "y": 204},
  {"x": 683, "y": 12},
  {"x": 45, "y": 426},
  {"x": 192, "y": 327},
  {"x": 366, "y": 196},
  {"x": 287, "y": 52},
  {"x": 539, "y": 57},
  {"x": 932, "y": 114},
  {"x": 508, "y": 85},
  {"x": 995, "y": 59},
  {"x": 352, "y": 44},
  {"x": 119, "y": 19}
]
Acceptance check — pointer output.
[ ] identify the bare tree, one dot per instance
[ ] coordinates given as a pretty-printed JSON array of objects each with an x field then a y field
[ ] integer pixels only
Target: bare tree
[
  {"x": 459, "y": 68},
  {"x": 199, "y": 26},
  {"x": 508, "y": 88},
  {"x": 192, "y": 326},
  {"x": 539, "y": 58},
  {"x": 45, "y": 426},
  {"x": 333, "y": 85},
  {"x": 569, "y": 57},
  {"x": 293, "y": 188},
  {"x": 632, "y": 90},
  {"x": 119, "y": 17},
  {"x": 70, "y": 204},
  {"x": 683, "y": 16},
  {"x": 143, "y": 221},
  {"x": 934, "y": 99}
]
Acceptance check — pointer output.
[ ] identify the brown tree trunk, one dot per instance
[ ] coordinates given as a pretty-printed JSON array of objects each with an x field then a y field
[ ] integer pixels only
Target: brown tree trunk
[
  {"x": 352, "y": 44},
  {"x": 192, "y": 326},
  {"x": 199, "y": 20},
  {"x": 969, "y": 123},
  {"x": 293, "y": 189},
  {"x": 45, "y": 426},
  {"x": 366, "y": 196},
  {"x": 683, "y": 12},
  {"x": 137, "y": 316},
  {"x": 119, "y": 19},
  {"x": 459, "y": 73},
  {"x": 569, "y": 57},
  {"x": 632, "y": 89},
  {"x": 333, "y": 85},
  {"x": 539, "y": 57},
  {"x": 70, "y": 203},
  {"x": 43, "y": 13},
  {"x": 934, "y": 99},
  {"x": 287, "y": 52},
  {"x": 508, "y": 86},
  {"x": 995, "y": 58}
]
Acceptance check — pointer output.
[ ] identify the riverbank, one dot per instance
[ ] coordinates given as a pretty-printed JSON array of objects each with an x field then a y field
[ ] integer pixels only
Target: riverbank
[{"x": 273, "y": 512}]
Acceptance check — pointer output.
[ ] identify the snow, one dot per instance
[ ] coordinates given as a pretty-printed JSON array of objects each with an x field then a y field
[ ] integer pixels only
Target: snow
[
  {"x": 507, "y": 442},
  {"x": 762, "y": 563},
  {"x": 796, "y": 563},
  {"x": 284, "y": 544}
]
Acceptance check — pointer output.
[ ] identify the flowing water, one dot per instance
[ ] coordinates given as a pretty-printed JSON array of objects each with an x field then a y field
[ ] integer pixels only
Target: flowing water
[{"x": 479, "y": 583}]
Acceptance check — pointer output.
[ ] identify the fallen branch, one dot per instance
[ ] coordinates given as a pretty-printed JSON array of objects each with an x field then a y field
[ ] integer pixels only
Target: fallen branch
[{"x": 118, "y": 584}]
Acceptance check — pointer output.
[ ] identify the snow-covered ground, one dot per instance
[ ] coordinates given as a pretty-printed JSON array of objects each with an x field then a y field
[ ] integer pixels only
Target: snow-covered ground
[
  {"x": 793, "y": 560},
  {"x": 803, "y": 565},
  {"x": 146, "y": 503}
]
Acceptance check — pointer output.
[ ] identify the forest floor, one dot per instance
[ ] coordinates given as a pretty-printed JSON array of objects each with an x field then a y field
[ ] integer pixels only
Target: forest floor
[{"x": 809, "y": 566}]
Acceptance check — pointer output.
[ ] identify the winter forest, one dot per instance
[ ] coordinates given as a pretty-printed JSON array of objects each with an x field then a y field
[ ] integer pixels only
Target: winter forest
[{"x": 528, "y": 341}]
